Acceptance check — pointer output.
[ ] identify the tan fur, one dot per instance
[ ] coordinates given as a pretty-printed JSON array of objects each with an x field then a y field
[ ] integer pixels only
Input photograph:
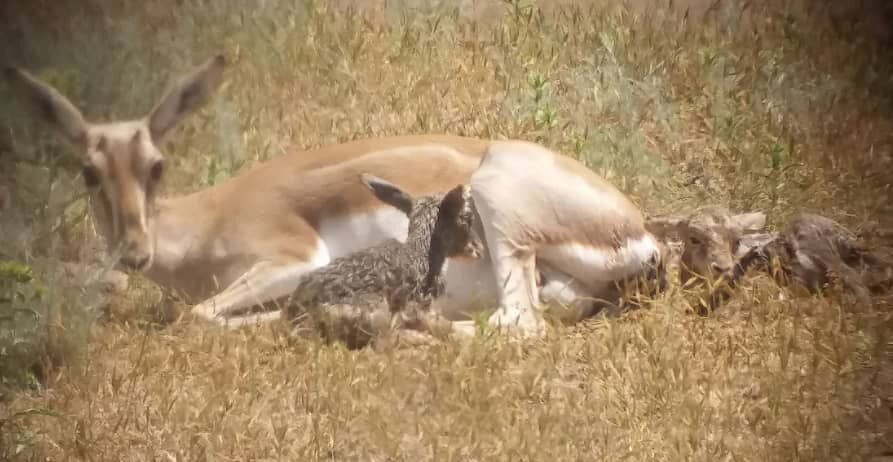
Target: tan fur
[
  {"x": 813, "y": 252},
  {"x": 286, "y": 208}
]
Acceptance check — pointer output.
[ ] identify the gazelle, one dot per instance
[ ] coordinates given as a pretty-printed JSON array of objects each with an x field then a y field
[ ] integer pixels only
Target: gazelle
[{"x": 258, "y": 233}]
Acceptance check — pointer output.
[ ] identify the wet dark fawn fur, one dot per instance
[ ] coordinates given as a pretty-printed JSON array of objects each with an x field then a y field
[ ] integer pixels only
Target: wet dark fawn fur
[
  {"x": 813, "y": 251},
  {"x": 382, "y": 289}
]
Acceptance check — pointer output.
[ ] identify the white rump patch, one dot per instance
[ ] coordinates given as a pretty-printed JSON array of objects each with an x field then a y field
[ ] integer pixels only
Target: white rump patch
[
  {"x": 511, "y": 163},
  {"x": 348, "y": 234}
]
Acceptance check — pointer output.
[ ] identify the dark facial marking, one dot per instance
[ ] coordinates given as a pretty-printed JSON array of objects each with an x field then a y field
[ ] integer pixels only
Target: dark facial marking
[{"x": 91, "y": 176}]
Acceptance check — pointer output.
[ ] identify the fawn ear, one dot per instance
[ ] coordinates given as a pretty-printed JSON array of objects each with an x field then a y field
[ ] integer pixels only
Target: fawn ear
[
  {"x": 54, "y": 108},
  {"x": 388, "y": 192},
  {"x": 751, "y": 241},
  {"x": 665, "y": 226},
  {"x": 749, "y": 222}
]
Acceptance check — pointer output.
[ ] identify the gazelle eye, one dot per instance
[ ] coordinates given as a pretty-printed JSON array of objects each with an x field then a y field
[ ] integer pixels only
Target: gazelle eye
[
  {"x": 694, "y": 241},
  {"x": 157, "y": 171},
  {"x": 91, "y": 176}
]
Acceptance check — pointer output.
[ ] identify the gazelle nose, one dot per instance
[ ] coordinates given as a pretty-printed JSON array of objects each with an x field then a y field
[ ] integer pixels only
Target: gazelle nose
[
  {"x": 141, "y": 262},
  {"x": 719, "y": 268},
  {"x": 136, "y": 256},
  {"x": 137, "y": 262}
]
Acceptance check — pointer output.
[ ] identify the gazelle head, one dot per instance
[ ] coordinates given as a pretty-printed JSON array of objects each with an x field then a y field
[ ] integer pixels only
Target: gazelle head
[
  {"x": 710, "y": 239},
  {"x": 122, "y": 164}
]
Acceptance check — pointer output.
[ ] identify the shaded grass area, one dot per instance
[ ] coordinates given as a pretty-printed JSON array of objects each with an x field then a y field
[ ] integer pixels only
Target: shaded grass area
[{"x": 772, "y": 107}]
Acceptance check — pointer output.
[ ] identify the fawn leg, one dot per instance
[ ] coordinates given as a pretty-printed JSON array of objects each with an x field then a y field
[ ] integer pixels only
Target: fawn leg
[{"x": 851, "y": 280}]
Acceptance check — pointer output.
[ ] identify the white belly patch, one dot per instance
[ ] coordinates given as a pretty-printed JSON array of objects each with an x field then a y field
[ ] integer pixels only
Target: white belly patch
[{"x": 345, "y": 235}]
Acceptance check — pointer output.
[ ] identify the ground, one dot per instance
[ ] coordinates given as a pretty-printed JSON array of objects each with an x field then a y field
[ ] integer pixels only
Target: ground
[{"x": 770, "y": 107}]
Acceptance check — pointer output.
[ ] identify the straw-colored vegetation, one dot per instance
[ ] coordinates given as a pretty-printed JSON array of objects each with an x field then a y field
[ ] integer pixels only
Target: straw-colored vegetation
[{"x": 769, "y": 107}]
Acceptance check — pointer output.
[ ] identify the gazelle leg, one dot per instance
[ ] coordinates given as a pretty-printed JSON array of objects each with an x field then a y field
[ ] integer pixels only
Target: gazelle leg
[
  {"x": 513, "y": 261},
  {"x": 568, "y": 299},
  {"x": 265, "y": 281},
  {"x": 515, "y": 273},
  {"x": 852, "y": 280}
]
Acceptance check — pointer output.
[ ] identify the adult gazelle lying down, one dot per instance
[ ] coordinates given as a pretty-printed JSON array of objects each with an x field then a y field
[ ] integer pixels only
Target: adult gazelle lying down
[{"x": 250, "y": 239}]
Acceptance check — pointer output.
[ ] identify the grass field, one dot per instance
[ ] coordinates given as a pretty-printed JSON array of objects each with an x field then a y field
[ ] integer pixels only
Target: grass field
[{"x": 769, "y": 106}]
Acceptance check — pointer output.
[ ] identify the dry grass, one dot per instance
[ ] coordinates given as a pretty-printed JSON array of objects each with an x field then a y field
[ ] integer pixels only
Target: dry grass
[{"x": 788, "y": 111}]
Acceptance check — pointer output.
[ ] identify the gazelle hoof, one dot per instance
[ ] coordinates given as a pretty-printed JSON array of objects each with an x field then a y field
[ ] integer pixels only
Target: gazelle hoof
[{"x": 525, "y": 324}]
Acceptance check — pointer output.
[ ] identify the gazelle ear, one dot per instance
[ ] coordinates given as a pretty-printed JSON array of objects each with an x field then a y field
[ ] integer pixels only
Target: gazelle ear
[
  {"x": 749, "y": 222},
  {"x": 388, "y": 192},
  {"x": 187, "y": 95},
  {"x": 54, "y": 108}
]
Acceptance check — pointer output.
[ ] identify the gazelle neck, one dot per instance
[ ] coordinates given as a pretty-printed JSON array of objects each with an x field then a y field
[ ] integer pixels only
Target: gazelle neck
[
  {"x": 175, "y": 229},
  {"x": 184, "y": 253}
]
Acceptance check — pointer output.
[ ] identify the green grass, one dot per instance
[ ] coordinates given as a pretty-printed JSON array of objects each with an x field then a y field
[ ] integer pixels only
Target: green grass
[{"x": 775, "y": 108}]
